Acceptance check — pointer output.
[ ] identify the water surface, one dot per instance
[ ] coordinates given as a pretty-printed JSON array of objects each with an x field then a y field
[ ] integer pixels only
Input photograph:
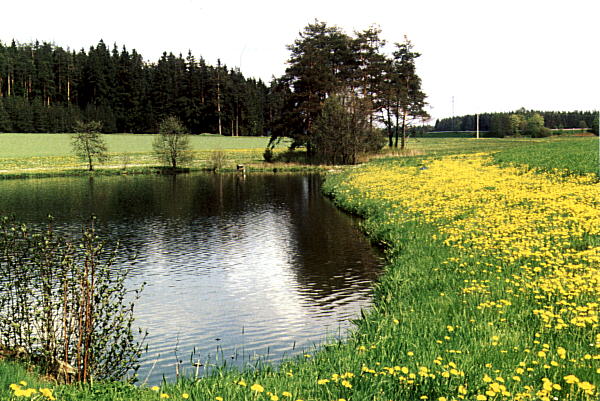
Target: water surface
[{"x": 237, "y": 268}]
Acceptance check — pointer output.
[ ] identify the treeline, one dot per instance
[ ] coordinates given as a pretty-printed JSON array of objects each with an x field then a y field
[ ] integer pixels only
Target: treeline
[
  {"x": 45, "y": 88},
  {"x": 501, "y": 121}
]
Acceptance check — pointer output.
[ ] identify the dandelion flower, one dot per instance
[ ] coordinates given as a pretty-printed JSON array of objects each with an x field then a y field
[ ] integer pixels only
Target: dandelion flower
[{"x": 257, "y": 387}]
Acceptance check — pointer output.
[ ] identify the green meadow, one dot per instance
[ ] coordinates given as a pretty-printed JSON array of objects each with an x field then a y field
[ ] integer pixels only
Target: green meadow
[
  {"x": 34, "y": 155},
  {"x": 454, "y": 318}
]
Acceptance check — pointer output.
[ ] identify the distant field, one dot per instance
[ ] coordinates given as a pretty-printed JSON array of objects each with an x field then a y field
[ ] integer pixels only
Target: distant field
[
  {"x": 445, "y": 146},
  {"x": 50, "y": 154},
  {"x": 577, "y": 155},
  {"x": 40, "y": 145}
]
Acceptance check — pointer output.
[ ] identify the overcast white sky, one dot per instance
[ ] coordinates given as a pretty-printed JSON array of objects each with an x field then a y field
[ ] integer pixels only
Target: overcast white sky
[{"x": 488, "y": 55}]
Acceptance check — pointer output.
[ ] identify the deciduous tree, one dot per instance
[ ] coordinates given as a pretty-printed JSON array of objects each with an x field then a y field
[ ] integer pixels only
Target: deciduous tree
[
  {"x": 172, "y": 145},
  {"x": 342, "y": 130},
  {"x": 88, "y": 143}
]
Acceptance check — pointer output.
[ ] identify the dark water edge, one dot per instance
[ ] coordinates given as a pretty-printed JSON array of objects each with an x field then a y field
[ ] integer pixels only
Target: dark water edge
[{"x": 238, "y": 268}]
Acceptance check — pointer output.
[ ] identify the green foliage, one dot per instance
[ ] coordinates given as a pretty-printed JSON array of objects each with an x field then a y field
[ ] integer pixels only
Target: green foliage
[
  {"x": 534, "y": 126},
  {"x": 172, "y": 144},
  {"x": 595, "y": 124},
  {"x": 402, "y": 98},
  {"x": 327, "y": 62},
  {"x": 517, "y": 124},
  {"x": 500, "y": 125},
  {"x": 552, "y": 120},
  {"x": 62, "y": 306},
  {"x": 342, "y": 131},
  {"x": 88, "y": 144},
  {"x": 5, "y": 122},
  {"x": 268, "y": 155},
  {"x": 46, "y": 88}
]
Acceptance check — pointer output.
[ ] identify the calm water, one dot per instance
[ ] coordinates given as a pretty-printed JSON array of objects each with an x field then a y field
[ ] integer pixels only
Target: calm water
[{"x": 237, "y": 268}]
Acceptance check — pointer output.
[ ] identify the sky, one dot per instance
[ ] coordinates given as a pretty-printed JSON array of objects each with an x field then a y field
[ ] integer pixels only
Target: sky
[{"x": 476, "y": 55}]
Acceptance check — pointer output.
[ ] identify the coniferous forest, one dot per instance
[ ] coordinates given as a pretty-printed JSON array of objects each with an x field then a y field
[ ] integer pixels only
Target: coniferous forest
[
  {"x": 492, "y": 121},
  {"x": 45, "y": 88}
]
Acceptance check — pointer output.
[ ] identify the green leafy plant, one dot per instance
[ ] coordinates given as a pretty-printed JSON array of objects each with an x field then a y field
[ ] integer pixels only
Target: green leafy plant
[{"x": 63, "y": 306}]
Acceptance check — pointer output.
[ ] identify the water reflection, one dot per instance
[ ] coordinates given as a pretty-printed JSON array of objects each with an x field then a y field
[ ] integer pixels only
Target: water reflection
[{"x": 262, "y": 263}]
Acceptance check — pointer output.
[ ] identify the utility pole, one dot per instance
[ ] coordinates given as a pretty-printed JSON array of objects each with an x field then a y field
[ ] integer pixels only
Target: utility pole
[{"x": 477, "y": 125}]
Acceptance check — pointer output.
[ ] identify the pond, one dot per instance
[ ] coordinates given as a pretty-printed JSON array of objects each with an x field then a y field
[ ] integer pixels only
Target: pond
[{"x": 239, "y": 269}]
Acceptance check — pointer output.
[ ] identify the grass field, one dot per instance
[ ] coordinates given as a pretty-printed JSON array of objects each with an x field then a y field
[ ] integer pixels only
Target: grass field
[
  {"x": 27, "y": 155},
  {"x": 44, "y": 145},
  {"x": 490, "y": 292},
  {"x": 572, "y": 156}
]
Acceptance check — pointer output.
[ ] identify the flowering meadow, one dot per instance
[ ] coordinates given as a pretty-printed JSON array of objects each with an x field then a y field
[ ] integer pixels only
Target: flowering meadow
[{"x": 491, "y": 292}]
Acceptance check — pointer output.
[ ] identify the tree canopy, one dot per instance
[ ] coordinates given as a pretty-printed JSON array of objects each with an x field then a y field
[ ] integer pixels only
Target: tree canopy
[
  {"x": 327, "y": 63},
  {"x": 46, "y": 88}
]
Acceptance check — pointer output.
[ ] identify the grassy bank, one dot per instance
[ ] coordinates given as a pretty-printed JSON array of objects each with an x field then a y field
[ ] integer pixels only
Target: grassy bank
[{"x": 490, "y": 292}]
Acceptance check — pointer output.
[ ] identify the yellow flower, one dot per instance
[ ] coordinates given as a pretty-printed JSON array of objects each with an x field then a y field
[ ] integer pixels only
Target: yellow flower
[
  {"x": 20, "y": 392},
  {"x": 185, "y": 396},
  {"x": 154, "y": 388},
  {"x": 481, "y": 397},
  {"x": 165, "y": 395},
  {"x": 242, "y": 383},
  {"x": 322, "y": 381},
  {"x": 571, "y": 379},
  {"x": 286, "y": 394},
  {"x": 442, "y": 399},
  {"x": 219, "y": 398},
  {"x": 257, "y": 387},
  {"x": 274, "y": 397},
  {"x": 46, "y": 392}
]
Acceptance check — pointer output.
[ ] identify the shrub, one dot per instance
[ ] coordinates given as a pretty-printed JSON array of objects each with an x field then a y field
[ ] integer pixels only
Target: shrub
[
  {"x": 217, "y": 160},
  {"x": 62, "y": 306}
]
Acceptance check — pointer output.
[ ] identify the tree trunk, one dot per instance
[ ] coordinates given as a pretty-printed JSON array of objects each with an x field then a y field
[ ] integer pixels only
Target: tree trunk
[
  {"x": 396, "y": 129},
  {"x": 389, "y": 128},
  {"x": 403, "y": 130}
]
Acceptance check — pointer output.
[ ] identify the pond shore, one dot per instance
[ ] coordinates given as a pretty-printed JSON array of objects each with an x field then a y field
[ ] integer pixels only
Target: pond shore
[{"x": 461, "y": 311}]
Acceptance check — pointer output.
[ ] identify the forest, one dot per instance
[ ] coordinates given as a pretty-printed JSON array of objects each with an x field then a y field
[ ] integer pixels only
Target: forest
[
  {"x": 46, "y": 88},
  {"x": 500, "y": 124}
]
